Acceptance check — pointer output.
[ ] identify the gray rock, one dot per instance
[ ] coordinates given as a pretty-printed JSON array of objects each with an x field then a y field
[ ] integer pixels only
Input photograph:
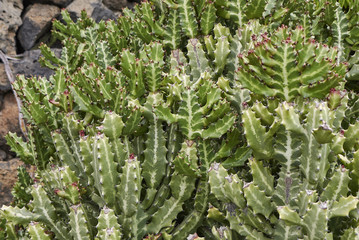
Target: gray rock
[
  {"x": 36, "y": 22},
  {"x": 115, "y": 5},
  {"x": 10, "y": 20},
  {"x": 4, "y": 82},
  {"x": 9, "y": 119},
  {"x": 2, "y": 155},
  {"x": 30, "y": 66},
  {"x": 78, "y": 5},
  {"x": 8, "y": 177},
  {"x": 101, "y": 12}
]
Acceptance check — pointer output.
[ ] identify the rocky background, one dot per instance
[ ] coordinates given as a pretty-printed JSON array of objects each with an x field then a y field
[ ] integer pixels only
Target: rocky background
[{"x": 24, "y": 24}]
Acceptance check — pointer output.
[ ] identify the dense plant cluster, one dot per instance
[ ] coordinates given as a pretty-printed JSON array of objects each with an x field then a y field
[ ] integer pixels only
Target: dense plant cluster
[{"x": 200, "y": 119}]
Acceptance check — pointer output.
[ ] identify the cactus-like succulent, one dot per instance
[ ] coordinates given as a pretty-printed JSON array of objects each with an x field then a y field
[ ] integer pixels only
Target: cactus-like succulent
[
  {"x": 126, "y": 136},
  {"x": 295, "y": 174},
  {"x": 191, "y": 118}
]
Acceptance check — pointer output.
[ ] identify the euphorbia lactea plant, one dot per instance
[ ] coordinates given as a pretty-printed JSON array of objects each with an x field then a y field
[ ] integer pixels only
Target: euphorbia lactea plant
[{"x": 199, "y": 119}]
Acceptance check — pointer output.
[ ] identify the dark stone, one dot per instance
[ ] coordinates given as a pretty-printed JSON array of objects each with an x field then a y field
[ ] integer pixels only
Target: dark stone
[
  {"x": 4, "y": 82},
  {"x": 1, "y": 102},
  {"x": 101, "y": 12},
  {"x": 3, "y": 155},
  {"x": 59, "y": 3},
  {"x": 36, "y": 22},
  {"x": 30, "y": 66},
  {"x": 115, "y": 5}
]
